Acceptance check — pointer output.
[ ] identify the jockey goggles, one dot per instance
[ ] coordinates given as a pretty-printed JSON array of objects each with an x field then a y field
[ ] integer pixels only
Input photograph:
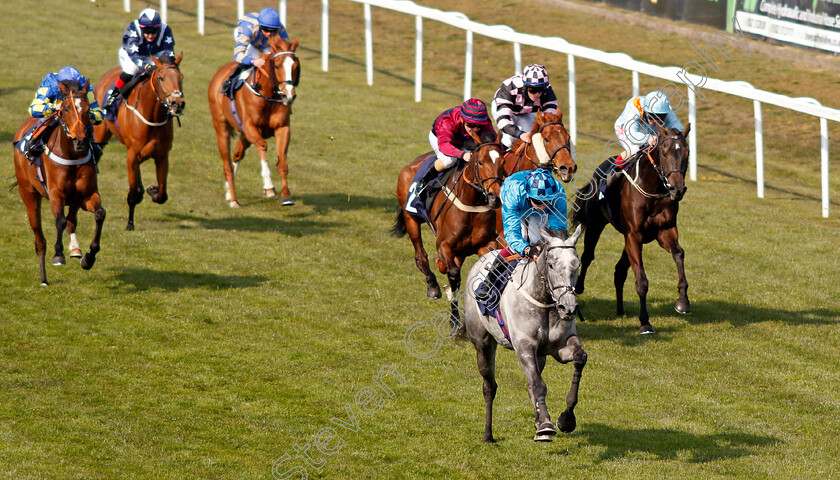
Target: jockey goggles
[
  {"x": 536, "y": 90},
  {"x": 473, "y": 125},
  {"x": 270, "y": 31},
  {"x": 149, "y": 30}
]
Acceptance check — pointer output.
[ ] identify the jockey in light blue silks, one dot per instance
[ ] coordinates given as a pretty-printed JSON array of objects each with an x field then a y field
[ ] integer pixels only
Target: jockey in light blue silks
[
  {"x": 531, "y": 199},
  {"x": 48, "y": 99},
  {"x": 143, "y": 39},
  {"x": 251, "y": 35},
  {"x": 636, "y": 126}
]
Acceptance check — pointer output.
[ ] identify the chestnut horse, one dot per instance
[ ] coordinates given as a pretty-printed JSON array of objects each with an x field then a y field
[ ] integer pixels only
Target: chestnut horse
[
  {"x": 463, "y": 213},
  {"x": 69, "y": 175},
  {"x": 144, "y": 126},
  {"x": 264, "y": 106},
  {"x": 644, "y": 208},
  {"x": 550, "y": 148}
]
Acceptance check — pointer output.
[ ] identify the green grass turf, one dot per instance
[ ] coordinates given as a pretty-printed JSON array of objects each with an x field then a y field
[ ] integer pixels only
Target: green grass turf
[{"x": 211, "y": 342}]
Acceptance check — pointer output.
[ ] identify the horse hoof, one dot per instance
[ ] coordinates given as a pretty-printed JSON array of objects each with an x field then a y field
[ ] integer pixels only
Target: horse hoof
[
  {"x": 152, "y": 191},
  {"x": 234, "y": 204},
  {"x": 87, "y": 262},
  {"x": 567, "y": 422},
  {"x": 489, "y": 439},
  {"x": 44, "y": 284},
  {"x": 288, "y": 202},
  {"x": 58, "y": 261},
  {"x": 542, "y": 438},
  {"x": 129, "y": 227},
  {"x": 434, "y": 292},
  {"x": 646, "y": 330},
  {"x": 546, "y": 429},
  {"x": 76, "y": 253},
  {"x": 683, "y": 307},
  {"x": 269, "y": 193}
]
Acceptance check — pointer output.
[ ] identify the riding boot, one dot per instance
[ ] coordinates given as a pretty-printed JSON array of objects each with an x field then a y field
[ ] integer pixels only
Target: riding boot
[
  {"x": 34, "y": 147},
  {"x": 111, "y": 98},
  {"x": 484, "y": 290},
  {"x": 229, "y": 81},
  {"x": 427, "y": 178}
]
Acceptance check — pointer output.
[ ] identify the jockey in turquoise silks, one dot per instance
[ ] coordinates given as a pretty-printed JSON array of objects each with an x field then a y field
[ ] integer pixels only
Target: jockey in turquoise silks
[{"x": 531, "y": 200}]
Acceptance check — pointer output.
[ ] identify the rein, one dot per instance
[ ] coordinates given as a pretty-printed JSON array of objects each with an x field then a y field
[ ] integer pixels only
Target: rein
[
  {"x": 663, "y": 176},
  {"x": 549, "y": 165},
  {"x": 255, "y": 87},
  {"x": 163, "y": 101}
]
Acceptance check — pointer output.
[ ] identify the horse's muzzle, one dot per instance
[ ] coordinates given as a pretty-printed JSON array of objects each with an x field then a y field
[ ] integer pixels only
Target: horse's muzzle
[
  {"x": 177, "y": 108},
  {"x": 568, "y": 312},
  {"x": 566, "y": 173},
  {"x": 677, "y": 193},
  {"x": 493, "y": 201}
]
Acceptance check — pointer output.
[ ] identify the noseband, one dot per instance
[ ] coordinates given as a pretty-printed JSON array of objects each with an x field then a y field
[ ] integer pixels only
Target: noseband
[
  {"x": 256, "y": 86},
  {"x": 564, "y": 289},
  {"x": 78, "y": 118},
  {"x": 663, "y": 176}
]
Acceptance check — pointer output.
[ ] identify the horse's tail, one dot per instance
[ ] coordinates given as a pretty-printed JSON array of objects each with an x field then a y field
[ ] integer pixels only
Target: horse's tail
[
  {"x": 579, "y": 214},
  {"x": 398, "y": 229},
  {"x": 12, "y": 186}
]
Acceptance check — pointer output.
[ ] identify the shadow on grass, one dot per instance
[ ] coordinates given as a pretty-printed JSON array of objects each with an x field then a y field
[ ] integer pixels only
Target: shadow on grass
[
  {"x": 601, "y": 325},
  {"x": 795, "y": 195},
  {"x": 292, "y": 228},
  {"x": 323, "y": 202},
  {"x": 668, "y": 444},
  {"x": 142, "y": 279}
]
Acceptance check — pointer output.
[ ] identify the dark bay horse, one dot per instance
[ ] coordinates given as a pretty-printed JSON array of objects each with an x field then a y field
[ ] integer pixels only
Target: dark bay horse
[
  {"x": 144, "y": 126},
  {"x": 68, "y": 172},
  {"x": 538, "y": 309},
  {"x": 464, "y": 213},
  {"x": 550, "y": 148},
  {"x": 262, "y": 109},
  {"x": 644, "y": 208}
]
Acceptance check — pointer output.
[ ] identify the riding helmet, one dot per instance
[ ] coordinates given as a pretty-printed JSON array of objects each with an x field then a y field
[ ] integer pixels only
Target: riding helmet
[
  {"x": 657, "y": 103},
  {"x": 269, "y": 18},
  {"x": 69, "y": 74},
  {"x": 149, "y": 18},
  {"x": 541, "y": 185},
  {"x": 535, "y": 76}
]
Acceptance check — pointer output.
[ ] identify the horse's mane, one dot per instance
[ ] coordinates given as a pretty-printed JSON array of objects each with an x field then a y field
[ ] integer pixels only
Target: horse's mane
[
  {"x": 484, "y": 136},
  {"x": 546, "y": 117},
  {"x": 278, "y": 44},
  {"x": 73, "y": 86},
  {"x": 561, "y": 234}
]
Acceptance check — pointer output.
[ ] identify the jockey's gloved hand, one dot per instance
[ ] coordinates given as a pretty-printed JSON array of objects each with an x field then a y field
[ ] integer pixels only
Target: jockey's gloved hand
[
  {"x": 531, "y": 251},
  {"x": 148, "y": 68}
]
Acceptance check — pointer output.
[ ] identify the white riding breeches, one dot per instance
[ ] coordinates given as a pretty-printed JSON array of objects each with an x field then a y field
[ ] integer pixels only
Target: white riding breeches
[
  {"x": 446, "y": 159},
  {"x": 523, "y": 122}
]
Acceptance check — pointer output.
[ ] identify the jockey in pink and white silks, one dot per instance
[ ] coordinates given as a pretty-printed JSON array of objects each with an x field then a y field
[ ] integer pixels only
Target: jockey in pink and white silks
[
  {"x": 515, "y": 102},
  {"x": 636, "y": 126},
  {"x": 143, "y": 39}
]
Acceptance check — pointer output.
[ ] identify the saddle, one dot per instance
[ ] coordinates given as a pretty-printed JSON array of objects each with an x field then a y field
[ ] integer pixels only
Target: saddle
[
  {"x": 30, "y": 145},
  {"x": 420, "y": 203}
]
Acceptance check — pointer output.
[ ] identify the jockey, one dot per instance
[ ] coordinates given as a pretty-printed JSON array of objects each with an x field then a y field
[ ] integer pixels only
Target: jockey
[
  {"x": 450, "y": 130},
  {"x": 143, "y": 39},
  {"x": 48, "y": 98},
  {"x": 530, "y": 199},
  {"x": 636, "y": 127},
  {"x": 518, "y": 98},
  {"x": 252, "y": 34}
]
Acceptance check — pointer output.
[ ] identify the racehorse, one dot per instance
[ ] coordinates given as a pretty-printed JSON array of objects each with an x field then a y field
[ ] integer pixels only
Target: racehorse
[
  {"x": 538, "y": 310},
  {"x": 550, "y": 148},
  {"x": 463, "y": 215},
  {"x": 144, "y": 125},
  {"x": 644, "y": 208},
  {"x": 264, "y": 106},
  {"x": 65, "y": 174}
]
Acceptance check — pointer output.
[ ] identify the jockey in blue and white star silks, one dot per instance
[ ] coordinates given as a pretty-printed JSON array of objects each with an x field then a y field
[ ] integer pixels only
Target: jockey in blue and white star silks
[
  {"x": 531, "y": 199},
  {"x": 636, "y": 126},
  {"x": 251, "y": 37},
  {"x": 143, "y": 39},
  {"x": 515, "y": 102}
]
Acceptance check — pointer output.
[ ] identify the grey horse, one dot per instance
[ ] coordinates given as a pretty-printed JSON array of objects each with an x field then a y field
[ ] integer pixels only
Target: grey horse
[{"x": 538, "y": 308}]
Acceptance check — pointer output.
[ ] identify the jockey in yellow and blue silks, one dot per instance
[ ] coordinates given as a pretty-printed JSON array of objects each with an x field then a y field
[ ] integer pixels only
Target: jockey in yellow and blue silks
[
  {"x": 251, "y": 35},
  {"x": 48, "y": 98},
  {"x": 531, "y": 199},
  {"x": 143, "y": 39}
]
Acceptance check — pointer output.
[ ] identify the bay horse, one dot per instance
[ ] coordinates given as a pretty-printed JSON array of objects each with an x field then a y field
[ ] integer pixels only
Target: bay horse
[
  {"x": 144, "y": 126},
  {"x": 538, "y": 310},
  {"x": 262, "y": 109},
  {"x": 644, "y": 208},
  {"x": 65, "y": 175},
  {"x": 463, "y": 213},
  {"x": 550, "y": 148}
]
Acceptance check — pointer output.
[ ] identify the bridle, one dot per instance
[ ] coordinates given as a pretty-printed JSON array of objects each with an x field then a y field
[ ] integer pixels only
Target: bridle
[
  {"x": 663, "y": 176},
  {"x": 76, "y": 120},
  {"x": 256, "y": 87},
  {"x": 550, "y": 164},
  {"x": 481, "y": 182},
  {"x": 564, "y": 289},
  {"x": 165, "y": 101},
  {"x": 657, "y": 167}
]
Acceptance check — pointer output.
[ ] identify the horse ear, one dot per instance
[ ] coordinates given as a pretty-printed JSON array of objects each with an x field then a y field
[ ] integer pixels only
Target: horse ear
[
  {"x": 294, "y": 45},
  {"x": 63, "y": 89},
  {"x": 687, "y": 129},
  {"x": 498, "y": 136},
  {"x": 86, "y": 86},
  {"x": 559, "y": 115},
  {"x": 574, "y": 238},
  {"x": 178, "y": 60}
]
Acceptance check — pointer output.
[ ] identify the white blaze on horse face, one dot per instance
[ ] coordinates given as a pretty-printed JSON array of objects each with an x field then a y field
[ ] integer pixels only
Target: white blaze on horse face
[
  {"x": 494, "y": 155},
  {"x": 288, "y": 63},
  {"x": 78, "y": 103},
  {"x": 677, "y": 146},
  {"x": 539, "y": 147}
]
